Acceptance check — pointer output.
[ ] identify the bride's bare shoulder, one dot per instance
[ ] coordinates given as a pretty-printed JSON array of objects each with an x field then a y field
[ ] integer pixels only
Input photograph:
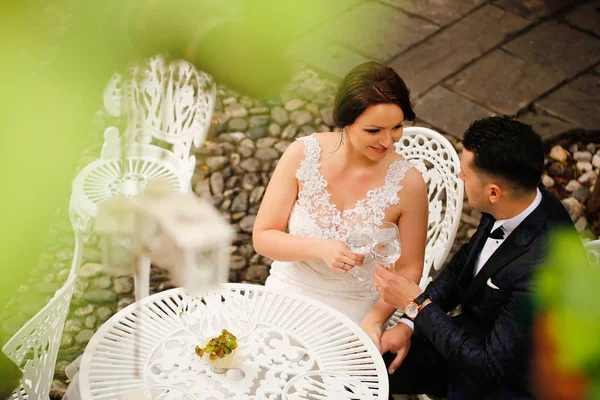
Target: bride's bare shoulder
[{"x": 327, "y": 140}]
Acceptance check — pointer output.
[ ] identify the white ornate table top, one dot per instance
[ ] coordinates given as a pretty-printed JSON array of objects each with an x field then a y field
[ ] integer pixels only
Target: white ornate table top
[{"x": 281, "y": 336}]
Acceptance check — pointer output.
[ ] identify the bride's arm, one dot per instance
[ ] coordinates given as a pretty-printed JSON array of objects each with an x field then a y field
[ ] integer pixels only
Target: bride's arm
[
  {"x": 412, "y": 225},
  {"x": 269, "y": 233}
]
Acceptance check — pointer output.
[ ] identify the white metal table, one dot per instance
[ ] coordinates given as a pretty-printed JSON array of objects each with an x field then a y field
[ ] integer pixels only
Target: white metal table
[{"x": 283, "y": 340}]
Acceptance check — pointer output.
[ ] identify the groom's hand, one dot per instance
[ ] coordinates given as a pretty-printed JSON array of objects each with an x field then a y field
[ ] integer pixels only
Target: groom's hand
[
  {"x": 396, "y": 341},
  {"x": 394, "y": 288}
]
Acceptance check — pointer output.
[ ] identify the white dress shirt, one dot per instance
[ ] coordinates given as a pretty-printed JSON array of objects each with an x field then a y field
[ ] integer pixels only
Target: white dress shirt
[
  {"x": 491, "y": 245},
  {"x": 508, "y": 225}
]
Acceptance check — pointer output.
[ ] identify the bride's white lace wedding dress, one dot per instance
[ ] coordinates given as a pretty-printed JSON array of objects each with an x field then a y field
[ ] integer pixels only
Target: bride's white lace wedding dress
[{"x": 315, "y": 216}]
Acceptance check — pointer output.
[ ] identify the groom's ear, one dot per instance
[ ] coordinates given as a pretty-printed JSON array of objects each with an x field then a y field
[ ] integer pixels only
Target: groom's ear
[{"x": 495, "y": 192}]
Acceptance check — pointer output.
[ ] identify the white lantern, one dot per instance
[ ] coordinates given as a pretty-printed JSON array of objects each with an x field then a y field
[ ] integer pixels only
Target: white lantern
[
  {"x": 176, "y": 231},
  {"x": 115, "y": 225}
]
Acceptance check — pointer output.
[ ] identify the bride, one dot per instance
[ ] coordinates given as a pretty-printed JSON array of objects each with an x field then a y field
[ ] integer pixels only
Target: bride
[{"x": 327, "y": 185}]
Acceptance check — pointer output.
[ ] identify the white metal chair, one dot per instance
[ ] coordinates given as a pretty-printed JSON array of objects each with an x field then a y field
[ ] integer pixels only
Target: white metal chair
[
  {"x": 168, "y": 106},
  {"x": 434, "y": 156},
  {"x": 593, "y": 251},
  {"x": 34, "y": 348}
]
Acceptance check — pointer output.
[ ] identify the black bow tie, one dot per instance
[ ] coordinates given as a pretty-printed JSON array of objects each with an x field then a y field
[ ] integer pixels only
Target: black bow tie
[{"x": 497, "y": 233}]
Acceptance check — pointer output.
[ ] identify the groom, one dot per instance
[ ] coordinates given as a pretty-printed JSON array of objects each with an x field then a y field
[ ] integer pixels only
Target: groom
[{"x": 484, "y": 352}]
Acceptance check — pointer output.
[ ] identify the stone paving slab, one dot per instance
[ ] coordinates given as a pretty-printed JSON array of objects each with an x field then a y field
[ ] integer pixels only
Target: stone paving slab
[
  {"x": 547, "y": 126},
  {"x": 326, "y": 56},
  {"x": 327, "y": 10},
  {"x": 424, "y": 124},
  {"x": 377, "y": 30},
  {"x": 451, "y": 49},
  {"x": 441, "y": 12},
  {"x": 533, "y": 9},
  {"x": 557, "y": 46},
  {"x": 587, "y": 17},
  {"x": 503, "y": 82},
  {"x": 577, "y": 101},
  {"x": 448, "y": 111}
]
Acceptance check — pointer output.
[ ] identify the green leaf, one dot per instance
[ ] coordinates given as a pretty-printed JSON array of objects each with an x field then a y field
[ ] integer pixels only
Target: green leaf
[{"x": 569, "y": 288}]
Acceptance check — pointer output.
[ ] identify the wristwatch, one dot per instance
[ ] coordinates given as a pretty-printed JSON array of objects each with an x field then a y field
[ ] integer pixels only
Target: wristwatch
[{"x": 412, "y": 308}]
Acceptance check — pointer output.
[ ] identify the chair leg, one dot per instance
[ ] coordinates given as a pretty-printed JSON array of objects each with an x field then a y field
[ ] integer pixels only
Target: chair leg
[{"x": 142, "y": 277}]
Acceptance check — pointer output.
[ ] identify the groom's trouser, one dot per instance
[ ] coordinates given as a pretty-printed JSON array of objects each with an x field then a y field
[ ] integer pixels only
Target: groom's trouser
[{"x": 423, "y": 371}]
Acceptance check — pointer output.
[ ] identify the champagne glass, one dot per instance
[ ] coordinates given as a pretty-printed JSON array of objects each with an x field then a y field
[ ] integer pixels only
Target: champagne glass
[
  {"x": 360, "y": 243},
  {"x": 386, "y": 248}
]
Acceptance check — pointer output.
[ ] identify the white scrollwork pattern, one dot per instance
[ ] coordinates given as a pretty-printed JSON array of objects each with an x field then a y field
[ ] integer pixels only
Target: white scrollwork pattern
[
  {"x": 173, "y": 103},
  {"x": 113, "y": 94},
  {"x": 593, "y": 252},
  {"x": 80, "y": 221},
  {"x": 168, "y": 393},
  {"x": 169, "y": 106},
  {"x": 326, "y": 385},
  {"x": 152, "y": 343},
  {"x": 439, "y": 164},
  {"x": 270, "y": 358},
  {"x": 208, "y": 315},
  {"x": 35, "y": 346}
]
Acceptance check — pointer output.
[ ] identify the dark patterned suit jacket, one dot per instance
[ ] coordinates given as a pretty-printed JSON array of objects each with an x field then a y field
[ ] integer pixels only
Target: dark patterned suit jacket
[{"x": 487, "y": 346}]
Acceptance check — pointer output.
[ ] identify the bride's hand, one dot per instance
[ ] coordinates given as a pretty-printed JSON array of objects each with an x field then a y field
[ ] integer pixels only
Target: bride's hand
[
  {"x": 338, "y": 257},
  {"x": 374, "y": 331}
]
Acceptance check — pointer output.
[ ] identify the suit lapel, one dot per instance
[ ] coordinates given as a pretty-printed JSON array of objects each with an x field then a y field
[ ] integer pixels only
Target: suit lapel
[
  {"x": 515, "y": 245},
  {"x": 484, "y": 230},
  {"x": 508, "y": 251}
]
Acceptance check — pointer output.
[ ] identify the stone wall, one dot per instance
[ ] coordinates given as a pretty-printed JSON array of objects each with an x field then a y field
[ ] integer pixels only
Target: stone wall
[
  {"x": 236, "y": 162},
  {"x": 572, "y": 170}
]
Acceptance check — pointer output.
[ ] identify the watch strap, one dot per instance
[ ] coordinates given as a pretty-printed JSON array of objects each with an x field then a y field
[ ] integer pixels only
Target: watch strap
[{"x": 421, "y": 298}]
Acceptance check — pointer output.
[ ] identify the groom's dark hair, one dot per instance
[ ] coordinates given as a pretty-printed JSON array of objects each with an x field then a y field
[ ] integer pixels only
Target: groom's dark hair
[{"x": 506, "y": 149}]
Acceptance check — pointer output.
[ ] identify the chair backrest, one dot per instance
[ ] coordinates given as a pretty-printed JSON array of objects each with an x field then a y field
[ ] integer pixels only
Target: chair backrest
[
  {"x": 167, "y": 104},
  {"x": 173, "y": 101},
  {"x": 435, "y": 157},
  {"x": 593, "y": 251},
  {"x": 34, "y": 347}
]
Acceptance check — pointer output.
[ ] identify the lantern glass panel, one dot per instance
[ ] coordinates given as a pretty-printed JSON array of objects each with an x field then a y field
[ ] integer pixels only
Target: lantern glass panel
[
  {"x": 203, "y": 269},
  {"x": 117, "y": 254}
]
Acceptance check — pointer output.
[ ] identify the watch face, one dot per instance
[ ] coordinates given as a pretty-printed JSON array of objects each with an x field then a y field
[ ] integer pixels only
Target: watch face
[{"x": 411, "y": 310}]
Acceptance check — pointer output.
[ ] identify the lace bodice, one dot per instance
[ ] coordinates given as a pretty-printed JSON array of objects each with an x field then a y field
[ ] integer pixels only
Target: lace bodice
[{"x": 314, "y": 215}]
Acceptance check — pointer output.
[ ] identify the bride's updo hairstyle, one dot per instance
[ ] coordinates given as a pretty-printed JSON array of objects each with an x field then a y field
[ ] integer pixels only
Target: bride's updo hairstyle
[{"x": 368, "y": 84}]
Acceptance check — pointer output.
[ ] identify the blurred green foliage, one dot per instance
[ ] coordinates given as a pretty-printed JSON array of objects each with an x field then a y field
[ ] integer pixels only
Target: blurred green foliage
[
  {"x": 57, "y": 55},
  {"x": 568, "y": 288}
]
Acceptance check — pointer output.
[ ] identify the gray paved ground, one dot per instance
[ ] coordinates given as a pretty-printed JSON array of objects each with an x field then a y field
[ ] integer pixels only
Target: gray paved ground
[{"x": 465, "y": 59}]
